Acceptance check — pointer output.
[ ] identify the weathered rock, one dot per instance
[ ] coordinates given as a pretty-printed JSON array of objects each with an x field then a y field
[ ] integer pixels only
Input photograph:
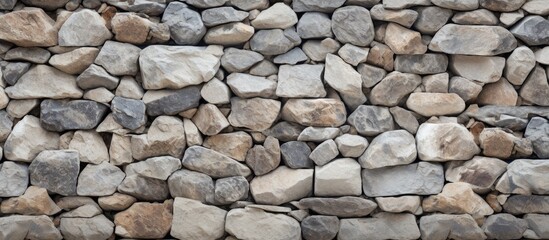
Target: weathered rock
[
  {"x": 212, "y": 163},
  {"x": 315, "y": 5},
  {"x": 351, "y": 145},
  {"x": 353, "y": 54},
  {"x": 229, "y": 34},
  {"x": 537, "y": 132},
  {"x": 317, "y": 50},
  {"x": 537, "y": 223},
  {"x": 371, "y": 120},
  {"x": 409, "y": 204},
  {"x": 239, "y": 60},
  {"x": 324, "y": 152},
  {"x": 98, "y": 227},
  {"x": 129, "y": 113},
  {"x": 532, "y": 30},
  {"x": 381, "y": 55},
  {"x": 444, "y": 142},
  {"x": 294, "y": 56},
  {"x": 116, "y": 202},
  {"x": 129, "y": 88},
  {"x": 32, "y": 54},
  {"x": 118, "y": 58},
  {"x": 231, "y": 189},
  {"x": 502, "y": 6},
  {"x": 84, "y": 28},
  {"x": 166, "y": 136},
  {"x": 295, "y": 154},
  {"x": 504, "y": 226},
  {"x": 341, "y": 207},
  {"x": 140, "y": 27},
  {"x": 96, "y": 76},
  {"x": 194, "y": 220},
  {"x": 171, "y": 102},
  {"x": 151, "y": 8},
  {"x": 435, "y": 104},
  {"x": 284, "y": 131},
  {"x": 11, "y": 72},
  {"x": 30, "y": 27},
  {"x": 28, "y": 139},
  {"x": 394, "y": 88},
  {"x": 144, "y": 188},
  {"x": 144, "y": 220},
  {"x": 400, "y": 4},
  {"x": 403, "y": 41},
  {"x": 457, "y": 198},
  {"x": 192, "y": 185},
  {"x": 216, "y": 92},
  {"x": 120, "y": 151},
  {"x": 263, "y": 159},
  {"x": 76, "y": 61},
  {"x": 390, "y": 148},
  {"x": 498, "y": 93},
  {"x": 255, "y": 224},
  {"x": 188, "y": 65},
  {"x": 274, "y": 41},
  {"x": 343, "y": 78},
  {"x": 431, "y": 19},
  {"x": 482, "y": 69},
  {"x": 476, "y": 17},
  {"x": 524, "y": 177},
  {"x": 186, "y": 26},
  {"x": 340, "y": 177},
  {"x": 14, "y": 179},
  {"x": 36, "y": 84},
  {"x": 405, "y": 119},
  {"x": 56, "y": 171},
  {"x": 467, "y": 89},
  {"x": 480, "y": 172},
  {"x": 314, "y": 25},
  {"x": 300, "y": 81},
  {"x": 319, "y": 227},
  {"x": 429, "y": 63},
  {"x": 29, "y": 227},
  {"x": 513, "y": 117},
  {"x": 256, "y": 114},
  {"x": 249, "y": 86},
  {"x": 282, "y": 185},
  {"x": 62, "y": 115},
  {"x": 473, "y": 40},
  {"x": 496, "y": 142},
  {"x": 234, "y": 145},
  {"x": 405, "y": 17},
  {"x": 421, "y": 178},
  {"x": 209, "y": 120},
  {"x": 536, "y": 87},
  {"x": 380, "y": 226},
  {"x": 357, "y": 31},
  {"x": 450, "y": 226},
  {"x": 279, "y": 15},
  {"x": 521, "y": 204},
  {"x": 249, "y": 5},
  {"x": 35, "y": 201},
  {"x": 156, "y": 167},
  {"x": 315, "y": 134},
  {"x": 217, "y": 16}
]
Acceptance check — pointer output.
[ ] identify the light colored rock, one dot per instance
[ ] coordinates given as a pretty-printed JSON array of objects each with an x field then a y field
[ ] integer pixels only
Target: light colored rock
[
  {"x": 357, "y": 31},
  {"x": 315, "y": 112},
  {"x": 274, "y": 41},
  {"x": 28, "y": 28},
  {"x": 118, "y": 58},
  {"x": 14, "y": 179},
  {"x": 380, "y": 226},
  {"x": 186, "y": 26},
  {"x": 404, "y": 41},
  {"x": 394, "y": 88},
  {"x": 351, "y": 145},
  {"x": 29, "y": 227},
  {"x": 36, "y": 83},
  {"x": 144, "y": 220},
  {"x": 341, "y": 207},
  {"x": 479, "y": 68},
  {"x": 28, "y": 139},
  {"x": 428, "y": 63},
  {"x": 216, "y": 16},
  {"x": 116, "y": 202},
  {"x": 76, "y": 61},
  {"x": 35, "y": 201},
  {"x": 405, "y": 17},
  {"x": 390, "y": 148},
  {"x": 156, "y": 167},
  {"x": 409, "y": 204},
  {"x": 194, "y": 220},
  {"x": 234, "y": 145},
  {"x": 536, "y": 7},
  {"x": 498, "y": 93},
  {"x": 480, "y": 172},
  {"x": 166, "y": 136},
  {"x": 122, "y": 23},
  {"x": 212, "y": 163},
  {"x": 542, "y": 56},
  {"x": 475, "y": 17},
  {"x": 253, "y": 223},
  {"x": 353, "y": 54},
  {"x": 209, "y": 120},
  {"x": 120, "y": 150},
  {"x": 340, "y": 177},
  {"x": 431, "y": 18},
  {"x": 467, "y": 89},
  {"x": 400, "y": 4},
  {"x": 444, "y": 142},
  {"x": 98, "y": 227},
  {"x": 435, "y": 104},
  {"x": 317, "y": 50},
  {"x": 84, "y": 28},
  {"x": 99, "y": 180},
  {"x": 457, "y": 198},
  {"x": 450, "y": 226},
  {"x": 90, "y": 146},
  {"x": 279, "y": 15},
  {"x": 405, "y": 119},
  {"x": 300, "y": 81},
  {"x": 324, "y": 152},
  {"x": 460, "y": 6},
  {"x": 524, "y": 177},
  {"x": 256, "y": 114},
  {"x": 343, "y": 78},
  {"x": 96, "y": 76},
  {"x": 315, "y": 5},
  {"x": 239, "y": 60},
  {"x": 510, "y": 18},
  {"x": 192, "y": 185},
  {"x": 496, "y": 142},
  {"x": 129, "y": 88},
  {"x": 249, "y": 86},
  {"x": 371, "y": 120},
  {"x": 314, "y": 134},
  {"x": 229, "y": 34},
  {"x": 20, "y": 108},
  {"x": 314, "y": 25},
  {"x": 535, "y": 88},
  {"x": 282, "y": 185},
  {"x": 101, "y": 95},
  {"x": 216, "y": 92}
]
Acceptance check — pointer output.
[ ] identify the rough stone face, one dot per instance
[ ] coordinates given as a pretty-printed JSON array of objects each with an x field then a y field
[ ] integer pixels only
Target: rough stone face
[
  {"x": 62, "y": 115},
  {"x": 36, "y": 84},
  {"x": 192, "y": 185},
  {"x": 234, "y": 145},
  {"x": 444, "y": 142},
  {"x": 221, "y": 15},
  {"x": 171, "y": 102},
  {"x": 324, "y": 152},
  {"x": 521, "y": 204},
  {"x": 35, "y": 201},
  {"x": 76, "y": 61},
  {"x": 380, "y": 226},
  {"x": 144, "y": 220},
  {"x": 429, "y": 63},
  {"x": 457, "y": 198},
  {"x": 19, "y": 26},
  {"x": 340, "y": 177},
  {"x": 524, "y": 177},
  {"x": 409, "y": 204},
  {"x": 500, "y": 226},
  {"x": 118, "y": 58},
  {"x": 279, "y": 15},
  {"x": 480, "y": 172},
  {"x": 394, "y": 88},
  {"x": 249, "y": 86},
  {"x": 536, "y": 87},
  {"x": 29, "y": 227},
  {"x": 431, "y": 19},
  {"x": 405, "y": 17},
  {"x": 186, "y": 26},
  {"x": 345, "y": 79},
  {"x": 188, "y": 65},
  {"x": 473, "y": 40},
  {"x": 341, "y": 207},
  {"x": 229, "y": 34},
  {"x": 56, "y": 170},
  {"x": 256, "y": 114},
  {"x": 84, "y": 28},
  {"x": 389, "y": 149},
  {"x": 350, "y": 29},
  {"x": 239, "y": 60},
  {"x": 253, "y": 223},
  {"x": 315, "y": 112},
  {"x": 156, "y": 167},
  {"x": 274, "y": 41},
  {"x": 421, "y": 178},
  {"x": 532, "y": 30},
  {"x": 98, "y": 227},
  {"x": 320, "y": 227},
  {"x": 371, "y": 120},
  {"x": 537, "y": 223},
  {"x": 435, "y": 104},
  {"x": 300, "y": 81},
  {"x": 263, "y": 159},
  {"x": 129, "y": 113},
  {"x": 28, "y": 139},
  {"x": 314, "y": 25},
  {"x": 90, "y": 146},
  {"x": 166, "y": 136},
  {"x": 212, "y": 163},
  {"x": 139, "y": 32},
  {"x": 116, "y": 202},
  {"x": 14, "y": 179},
  {"x": 315, "y": 5},
  {"x": 450, "y": 226},
  {"x": 295, "y": 154},
  {"x": 209, "y": 120},
  {"x": 144, "y": 188},
  {"x": 96, "y": 76},
  {"x": 498, "y": 93},
  {"x": 537, "y": 131},
  {"x": 282, "y": 185},
  {"x": 231, "y": 189},
  {"x": 482, "y": 69},
  {"x": 194, "y": 220},
  {"x": 403, "y": 41}
]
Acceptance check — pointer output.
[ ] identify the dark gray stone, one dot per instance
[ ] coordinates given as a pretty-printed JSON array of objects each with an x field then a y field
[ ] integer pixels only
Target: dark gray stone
[
  {"x": 171, "y": 102},
  {"x": 319, "y": 227},
  {"x": 521, "y": 204},
  {"x": 193, "y": 185},
  {"x": 285, "y": 131},
  {"x": 231, "y": 189},
  {"x": 7, "y": 4},
  {"x": 371, "y": 120},
  {"x": 341, "y": 207},
  {"x": 56, "y": 170},
  {"x": 533, "y": 30},
  {"x": 62, "y": 115},
  {"x": 129, "y": 113},
  {"x": 296, "y": 154},
  {"x": 537, "y": 131},
  {"x": 429, "y": 63},
  {"x": 186, "y": 26},
  {"x": 144, "y": 188},
  {"x": 504, "y": 226},
  {"x": 13, "y": 71},
  {"x": 512, "y": 117}
]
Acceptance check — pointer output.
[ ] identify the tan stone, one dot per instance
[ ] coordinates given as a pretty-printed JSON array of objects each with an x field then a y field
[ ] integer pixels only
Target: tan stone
[
  {"x": 234, "y": 145},
  {"x": 382, "y": 56},
  {"x": 457, "y": 198},
  {"x": 496, "y": 142},
  {"x": 116, "y": 202},
  {"x": 166, "y": 136},
  {"x": 144, "y": 220},
  {"x": 90, "y": 146},
  {"x": 28, "y": 139},
  {"x": 435, "y": 104},
  {"x": 256, "y": 114},
  {"x": 130, "y": 28},
  {"x": 404, "y": 41},
  {"x": 229, "y": 34},
  {"x": 399, "y": 204},
  {"x": 30, "y": 27},
  {"x": 209, "y": 120},
  {"x": 76, "y": 61},
  {"x": 35, "y": 201},
  {"x": 322, "y": 112}
]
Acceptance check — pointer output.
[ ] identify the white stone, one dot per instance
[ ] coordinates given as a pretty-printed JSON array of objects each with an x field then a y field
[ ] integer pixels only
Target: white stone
[
  {"x": 340, "y": 177},
  {"x": 195, "y": 220},
  {"x": 445, "y": 142},
  {"x": 282, "y": 185},
  {"x": 27, "y": 139}
]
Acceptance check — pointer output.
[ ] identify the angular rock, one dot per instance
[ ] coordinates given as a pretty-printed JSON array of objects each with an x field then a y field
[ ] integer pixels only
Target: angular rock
[
  {"x": 315, "y": 112},
  {"x": 537, "y": 223},
  {"x": 256, "y": 114},
  {"x": 313, "y": 134},
  {"x": 229, "y": 34},
  {"x": 380, "y": 226},
  {"x": 357, "y": 31},
  {"x": 166, "y": 136},
  {"x": 480, "y": 172},
  {"x": 90, "y": 146},
  {"x": 319, "y": 227},
  {"x": 351, "y": 145},
  {"x": 84, "y": 28},
  {"x": 14, "y": 179},
  {"x": 295, "y": 154},
  {"x": 144, "y": 188},
  {"x": 431, "y": 19},
  {"x": 255, "y": 224},
  {"x": 156, "y": 167},
  {"x": 504, "y": 226},
  {"x": 36, "y": 83},
  {"x": 371, "y": 75},
  {"x": 217, "y": 16},
  {"x": 537, "y": 131},
  {"x": 381, "y": 55},
  {"x": 467, "y": 89},
  {"x": 194, "y": 220},
  {"x": 371, "y": 120},
  {"x": 28, "y": 139},
  {"x": 33, "y": 54},
  {"x": 314, "y": 25},
  {"x": 536, "y": 87},
  {"x": 341, "y": 207},
  {"x": 496, "y": 142},
  {"x": 96, "y": 76},
  {"x": 457, "y": 198},
  {"x": 239, "y": 60},
  {"x": 35, "y": 201},
  {"x": 409, "y": 204},
  {"x": 62, "y": 115},
  {"x": 215, "y": 92},
  {"x": 400, "y": 4},
  {"x": 340, "y": 177},
  {"x": 421, "y": 178},
  {"x": 300, "y": 81},
  {"x": 129, "y": 88},
  {"x": 435, "y": 104},
  {"x": 279, "y": 15},
  {"x": 76, "y": 61},
  {"x": 30, "y": 27},
  {"x": 316, "y": 5},
  {"x": 317, "y": 50},
  {"x": 343, "y": 78},
  {"x": 56, "y": 171},
  {"x": 429, "y": 63},
  {"x": 390, "y": 148},
  {"x": 476, "y": 17},
  {"x": 274, "y": 41},
  {"x": 532, "y": 30},
  {"x": 98, "y": 227},
  {"x": 404, "y": 41},
  {"x": 140, "y": 28},
  {"x": 482, "y": 69},
  {"x": 12, "y": 71},
  {"x": 171, "y": 102},
  {"x": 231, "y": 189},
  {"x": 118, "y": 58},
  {"x": 263, "y": 159},
  {"x": 234, "y": 145},
  {"x": 405, "y": 17},
  {"x": 29, "y": 227},
  {"x": 521, "y": 204},
  {"x": 144, "y": 220},
  {"x": 498, "y": 93},
  {"x": 116, "y": 202},
  {"x": 501, "y": 6},
  {"x": 524, "y": 177},
  {"x": 192, "y": 185},
  {"x": 149, "y": 7},
  {"x": 405, "y": 119},
  {"x": 129, "y": 113},
  {"x": 473, "y": 40},
  {"x": 353, "y": 54},
  {"x": 212, "y": 163},
  {"x": 450, "y": 226},
  {"x": 249, "y": 86},
  {"x": 444, "y": 142},
  {"x": 282, "y": 185},
  {"x": 394, "y": 88},
  {"x": 186, "y": 26}
]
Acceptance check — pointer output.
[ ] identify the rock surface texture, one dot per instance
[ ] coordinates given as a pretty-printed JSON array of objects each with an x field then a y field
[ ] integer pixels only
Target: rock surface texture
[{"x": 258, "y": 119}]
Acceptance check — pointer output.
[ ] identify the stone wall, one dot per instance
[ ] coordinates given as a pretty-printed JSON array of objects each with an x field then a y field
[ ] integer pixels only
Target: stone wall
[{"x": 258, "y": 119}]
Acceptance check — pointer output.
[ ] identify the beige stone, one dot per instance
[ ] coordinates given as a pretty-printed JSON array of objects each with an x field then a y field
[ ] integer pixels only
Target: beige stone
[
  {"x": 35, "y": 201},
  {"x": 76, "y": 61},
  {"x": 256, "y": 114},
  {"x": 229, "y": 34},
  {"x": 234, "y": 145},
  {"x": 435, "y": 104},
  {"x": 321, "y": 112},
  {"x": 116, "y": 202},
  {"x": 166, "y": 136},
  {"x": 282, "y": 185},
  {"x": 404, "y": 41},
  {"x": 457, "y": 198},
  {"x": 209, "y": 120},
  {"x": 90, "y": 146},
  {"x": 30, "y": 27},
  {"x": 144, "y": 220}
]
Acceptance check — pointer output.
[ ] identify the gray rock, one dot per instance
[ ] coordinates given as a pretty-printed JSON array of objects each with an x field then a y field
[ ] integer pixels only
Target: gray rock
[
  {"x": 343, "y": 78},
  {"x": 36, "y": 84},
  {"x": 249, "y": 86},
  {"x": 231, "y": 189},
  {"x": 341, "y": 207},
  {"x": 84, "y": 28},
  {"x": 284, "y": 131},
  {"x": 400, "y": 4},
  {"x": 193, "y": 185},
  {"x": 156, "y": 167},
  {"x": 405, "y": 119},
  {"x": 14, "y": 179},
  {"x": 96, "y": 76},
  {"x": 194, "y": 220},
  {"x": 149, "y": 7},
  {"x": 444, "y": 142},
  {"x": 504, "y": 226},
  {"x": 381, "y": 226},
  {"x": 353, "y": 54},
  {"x": 186, "y": 26},
  {"x": 144, "y": 188},
  {"x": 394, "y": 88},
  {"x": 533, "y": 30},
  {"x": 480, "y": 172},
  {"x": 317, "y": 50},
  {"x": 5, "y": 125},
  {"x": 450, "y": 226},
  {"x": 467, "y": 90},
  {"x": 404, "y": 17},
  {"x": 33, "y": 54},
  {"x": 537, "y": 7},
  {"x": 263, "y": 159},
  {"x": 256, "y": 114},
  {"x": 316, "y": 5},
  {"x": 525, "y": 177},
  {"x": 248, "y": 5},
  {"x": 98, "y": 227},
  {"x": 319, "y": 227},
  {"x": 299, "y": 81},
  {"x": 99, "y": 180},
  {"x": 62, "y": 115},
  {"x": 463, "y": 39},
  {"x": 274, "y": 41},
  {"x": 482, "y": 69},
  {"x": 460, "y": 6},
  {"x": 206, "y": 3},
  {"x": 314, "y": 25},
  {"x": 7, "y": 4},
  {"x": 476, "y": 17},
  {"x": 421, "y": 178},
  {"x": 217, "y": 16},
  {"x": 521, "y": 204},
  {"x": 429, "y": 63},
  {"x": 56, "y": 171},
  {"x": 371, "y": 120},
  {"x": 537, "y": 223},
  {"x": 431, "y": 19},
  {"x": 371, "y": 75},
  {"x": 390, "y": 148},
  {"x": 118, "y": 58},
  {"x": 512, "y": 117},
  {"x": 537, "y": 131},
  {"x": 436, "y": 83},
  {"x": 12, "y": 71},
  {"x": 171, "y": 102},
  {"x": 209, "y": 120},
  {"x": 536, "y": 88},
  {"x": 129, "y": 113},
  {"x": 215, "y": 92},
  {"x": 295, "y": 154},
  {"x": 316, "y": 134},
  {"x": 502, "y": 6},
  {"x": 254, "y": 223},
  {"x": 324, "y": 152},
  {"x": 212, "y": 163},
  {"x": 29, "y": 227},
  {"x": 28, "y": 139},
  {"x": 294, "y": 56},
  {"x": 351, "y": 145},
  {"x": 282, "y": 185},
  {"x": 357, "y": 31},
  {"x": 166, "y": 136},
  {"x": 239, "y": 60},
  {"x": 402, "y": 40},
  {"x": 340, "y": 177}
]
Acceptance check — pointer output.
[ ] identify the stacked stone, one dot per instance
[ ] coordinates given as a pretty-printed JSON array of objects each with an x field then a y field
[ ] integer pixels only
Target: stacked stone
[{"x": 257, "y": 119}]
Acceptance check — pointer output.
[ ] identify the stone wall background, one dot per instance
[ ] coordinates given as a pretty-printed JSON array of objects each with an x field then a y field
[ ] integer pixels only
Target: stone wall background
[{"x": 250, "y": 119}]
